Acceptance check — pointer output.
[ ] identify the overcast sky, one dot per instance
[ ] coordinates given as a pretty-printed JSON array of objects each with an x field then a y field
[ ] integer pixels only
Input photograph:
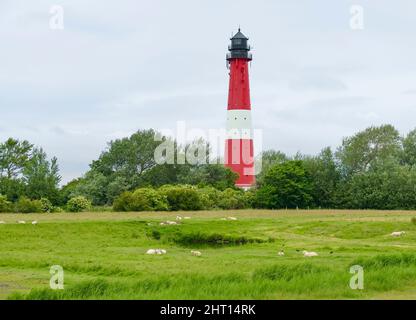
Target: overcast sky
[{"x": 116, "y": 68}]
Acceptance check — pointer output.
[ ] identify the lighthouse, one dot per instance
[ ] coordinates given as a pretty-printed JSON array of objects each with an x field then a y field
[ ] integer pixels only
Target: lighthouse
[{"x": 239, "y": 154}]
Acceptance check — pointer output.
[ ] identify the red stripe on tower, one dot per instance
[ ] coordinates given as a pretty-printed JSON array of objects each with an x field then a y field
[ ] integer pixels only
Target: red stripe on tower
[{"x": 239, "y": 155}]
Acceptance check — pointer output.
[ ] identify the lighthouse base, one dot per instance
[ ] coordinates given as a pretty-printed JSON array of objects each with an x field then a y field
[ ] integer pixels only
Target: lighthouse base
[{"x": 245, "y": 187}]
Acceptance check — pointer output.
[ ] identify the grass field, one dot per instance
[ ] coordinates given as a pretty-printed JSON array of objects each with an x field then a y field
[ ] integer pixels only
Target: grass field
[{"x": 103, "y": 255}]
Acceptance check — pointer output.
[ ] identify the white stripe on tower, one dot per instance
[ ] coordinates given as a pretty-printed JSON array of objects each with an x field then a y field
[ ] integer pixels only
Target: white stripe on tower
[{"x": 239, "y": 124}]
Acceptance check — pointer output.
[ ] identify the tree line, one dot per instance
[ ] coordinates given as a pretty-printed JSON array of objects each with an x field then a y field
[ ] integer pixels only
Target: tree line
[{"x": 373, "y": 169}]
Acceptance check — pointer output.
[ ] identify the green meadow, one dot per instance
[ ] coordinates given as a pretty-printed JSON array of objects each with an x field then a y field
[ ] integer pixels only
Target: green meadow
[{"x": 104, "y": 255}]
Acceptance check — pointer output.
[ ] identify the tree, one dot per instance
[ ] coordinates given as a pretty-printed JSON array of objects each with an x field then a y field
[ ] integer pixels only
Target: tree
[
  {"x": 128, "y": 157},
  {"x": 373, "y": 147},
  {"x": 41, "y": 176},
  {"x": 266, "y": 160},
  {"x": 324, "y": 177},
  {"x": 14, "y": 155},
  {"x": 381, "y": 189},
  {"x": 409, "y": 148},
  {"x": 93, "y": 187},
  {"x": 215, "y": 175},
  {"x": 285, "y": 185},
  {"x": 68, "y": 191}
]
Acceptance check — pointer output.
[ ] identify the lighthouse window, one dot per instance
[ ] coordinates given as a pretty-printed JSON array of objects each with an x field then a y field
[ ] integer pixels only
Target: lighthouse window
[
  {"x": 235, "y": 118},
  {"x": 237, "y": 41}
]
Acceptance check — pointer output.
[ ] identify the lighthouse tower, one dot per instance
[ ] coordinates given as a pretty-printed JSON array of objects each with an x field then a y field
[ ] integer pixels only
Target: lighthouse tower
[{"x": 239, "y": 143}]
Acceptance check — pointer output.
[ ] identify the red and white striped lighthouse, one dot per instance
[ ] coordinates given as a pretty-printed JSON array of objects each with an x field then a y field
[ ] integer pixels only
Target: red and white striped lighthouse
[{"x": 239, "y": 154}]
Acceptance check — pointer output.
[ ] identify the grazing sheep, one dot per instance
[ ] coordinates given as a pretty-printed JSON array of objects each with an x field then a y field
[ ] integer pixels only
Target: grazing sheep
[
  {"x": 309, "y": 254},
  {"x": 178, "y": 218},
  {"x": 232, "y": 218},
  {"x": 167, "y": 223},
  {"x": 34, "y": 222},
  {"x": 196, "y": 253},
  {"x": 187, "y": 218},
  {"x": 281, "y": 253},
  {"x": 397, "y": 233},
  {"x": 156, "y": 251},
  {"x": 21, "y": 222},
  {"x": 2, "y": 222}
]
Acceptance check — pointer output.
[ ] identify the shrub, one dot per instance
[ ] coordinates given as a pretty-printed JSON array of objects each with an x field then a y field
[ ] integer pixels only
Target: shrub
[
  {"x": 209, "y": 197},
  {"x": 182, "y": 197},
  {"x": 143, "y": 199},
  {"x": 5, "y": 205},
  {"x": 285, "y": 185},
  {"x": 25, "y": 205},
  {"x": 57, "y": 210},
  {"x": 46, "y": 205},
  {"x": 232, "y": 199},
  {"x": 78, "y": 204},
  {"x": 413, "y": 220}
]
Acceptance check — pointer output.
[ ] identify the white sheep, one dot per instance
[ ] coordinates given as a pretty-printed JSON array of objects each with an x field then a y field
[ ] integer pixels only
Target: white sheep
[
  {"x": 21, "y": 222},
  {"x": 2, "y": 222},
  {"x": 178, "y": 218},
  {"x": 167, "y": 223},
  {"x": 186, "y": 218},
  {"x": 34, "y": 222},
  {"x": 281, "y": 253},
  {"x": 232, "y": 218},
  {"x": 196, "y": 253},
  {"x": 397, "y": 233},
  {"x": 156, "y": 251},
  {"x": 309, "y": 254}
]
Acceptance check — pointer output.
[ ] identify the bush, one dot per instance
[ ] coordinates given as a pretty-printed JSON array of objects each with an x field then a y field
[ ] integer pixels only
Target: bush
[
  {"x": 413, "y": 220},
  {"x": 182, "y": 197},
  {"x": 58, "y": 210},
  {"x": 143, "y": 199},
  {"x": 46, "y": 205},
  {"x": 78, "y": 204},
  {"x": 5, "y": 205},
  {"x": 233, "y": 199},
  {"x": 285, "y": 185},
  {"x": 25, "y": 205},
  {"x": 209, "y": 197}
]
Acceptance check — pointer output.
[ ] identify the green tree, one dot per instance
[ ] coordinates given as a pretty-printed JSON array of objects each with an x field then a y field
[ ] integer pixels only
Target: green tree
[
  {"x": 324, "y": 178},
  {"x": 128, "y": 157},
  {"x": 41, "y": 176},
  {"x": 285, "y": 185},
  {"x": 14, "y": 155},
  {"x": 268, "y": 159},
  {"x": 215, "y": 175},
  {"x": 373, "y": 147},
  {"x": 409, "y": 148},
  {"x": 68, "y": 191}
]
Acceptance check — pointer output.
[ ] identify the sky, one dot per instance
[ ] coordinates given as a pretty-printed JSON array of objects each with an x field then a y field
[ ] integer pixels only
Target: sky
[{"x": 317, "y": 74}]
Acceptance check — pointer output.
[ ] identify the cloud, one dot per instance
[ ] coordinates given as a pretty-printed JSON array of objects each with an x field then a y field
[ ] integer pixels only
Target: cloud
[{"x": 122, "y": 66}]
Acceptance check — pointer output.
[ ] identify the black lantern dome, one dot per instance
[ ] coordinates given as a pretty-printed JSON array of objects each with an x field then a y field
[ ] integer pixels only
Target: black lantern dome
[{"x": 239, "y": 48}]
